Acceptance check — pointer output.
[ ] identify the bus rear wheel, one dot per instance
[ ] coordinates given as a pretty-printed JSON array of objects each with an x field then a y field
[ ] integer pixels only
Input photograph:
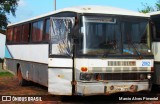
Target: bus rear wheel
[{"x": 21, "y": 80}]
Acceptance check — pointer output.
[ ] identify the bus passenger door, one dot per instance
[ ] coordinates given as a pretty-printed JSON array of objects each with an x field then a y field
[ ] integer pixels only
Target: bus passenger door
[{"x": 60, "y": 56}]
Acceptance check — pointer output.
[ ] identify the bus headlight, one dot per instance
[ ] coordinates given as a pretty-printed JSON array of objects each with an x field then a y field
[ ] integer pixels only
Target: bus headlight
[
  {"x": 149, "y": 76},
  {"x": 85, "y": 76}
]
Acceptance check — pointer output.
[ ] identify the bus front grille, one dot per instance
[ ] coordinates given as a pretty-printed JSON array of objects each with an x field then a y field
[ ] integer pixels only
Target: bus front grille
[
  {"x": 120, "y": 76},
  {"x": 112, "y": 76}
]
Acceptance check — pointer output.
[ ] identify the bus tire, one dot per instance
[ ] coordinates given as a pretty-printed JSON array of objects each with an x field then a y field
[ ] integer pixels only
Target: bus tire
[{"x": 21, "y": 80}]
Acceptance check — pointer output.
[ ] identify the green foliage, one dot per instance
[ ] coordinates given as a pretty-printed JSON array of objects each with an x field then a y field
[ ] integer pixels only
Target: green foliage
[
  {"x": 3, "y": 74},
  {"x": 158, "y": 6},
  {"x": 3, "y": 22},
  {"x": 147, "y": 8},
  {"x": 6, "y": 7}
]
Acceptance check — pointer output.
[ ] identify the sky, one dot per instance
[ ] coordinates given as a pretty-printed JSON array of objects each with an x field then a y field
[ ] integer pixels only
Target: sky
[{"x": 32, "y": 8}]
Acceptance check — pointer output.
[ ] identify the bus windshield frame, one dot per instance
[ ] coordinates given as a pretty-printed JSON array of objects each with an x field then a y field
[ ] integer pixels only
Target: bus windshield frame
[{"x": 113, "y": 35}]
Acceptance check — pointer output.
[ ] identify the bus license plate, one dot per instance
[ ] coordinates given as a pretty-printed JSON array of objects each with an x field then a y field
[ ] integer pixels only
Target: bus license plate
[{"x": 121, "y": 89}]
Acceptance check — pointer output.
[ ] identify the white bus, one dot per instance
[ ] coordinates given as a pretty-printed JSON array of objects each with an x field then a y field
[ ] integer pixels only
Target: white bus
[
  {"x": 155, "y": 30},
  {"x": 85, "y": 50}
]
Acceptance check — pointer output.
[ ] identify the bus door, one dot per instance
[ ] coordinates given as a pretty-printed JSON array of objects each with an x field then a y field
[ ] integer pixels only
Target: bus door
[{"x": 60, "y": 56}]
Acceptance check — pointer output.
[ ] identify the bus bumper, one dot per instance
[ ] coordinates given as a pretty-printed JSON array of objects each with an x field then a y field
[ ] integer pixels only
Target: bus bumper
[{"x": 102, "y": 88}]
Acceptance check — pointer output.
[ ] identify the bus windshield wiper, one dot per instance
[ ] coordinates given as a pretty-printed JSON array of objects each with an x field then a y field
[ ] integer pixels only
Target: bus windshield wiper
[
  {"x": 139, "y": 54},
  {"x": 135, "y": 48}
]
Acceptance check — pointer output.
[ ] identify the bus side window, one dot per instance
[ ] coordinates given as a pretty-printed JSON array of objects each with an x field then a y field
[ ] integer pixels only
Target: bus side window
[
  {"x": 25, "y": 33},
  {"x": 46, "y": 30},
  {"x": 37, "y": 31},
  {"x": 9, "y": 35},
  {"x": 14, "y": 34},
  {"x": 17, "y": 34}
]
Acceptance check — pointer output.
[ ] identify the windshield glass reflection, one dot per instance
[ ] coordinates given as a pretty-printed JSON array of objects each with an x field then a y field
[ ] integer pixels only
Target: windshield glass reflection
[{"x": 109, "y": 35}]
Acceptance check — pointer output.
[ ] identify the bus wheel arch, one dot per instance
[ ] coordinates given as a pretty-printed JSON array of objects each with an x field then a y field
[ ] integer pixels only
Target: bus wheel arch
[
  {"x": 17, "y": 67},
  {"x": 21, "y": 80}
]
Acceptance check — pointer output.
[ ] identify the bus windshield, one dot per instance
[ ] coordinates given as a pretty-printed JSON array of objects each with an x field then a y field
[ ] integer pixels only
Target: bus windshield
[{"x": 110, "y": 35}]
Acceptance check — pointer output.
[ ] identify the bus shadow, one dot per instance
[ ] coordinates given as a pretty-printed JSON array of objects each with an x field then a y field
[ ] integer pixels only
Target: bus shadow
[
  {"x": 155, "y": 89},
  {"x": 36, "y": 85}
]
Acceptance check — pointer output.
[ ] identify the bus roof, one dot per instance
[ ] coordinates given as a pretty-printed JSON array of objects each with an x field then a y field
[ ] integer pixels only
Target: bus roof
[
  {"x": 154, "y": 13},
  {"x": 91, "y": 9}
]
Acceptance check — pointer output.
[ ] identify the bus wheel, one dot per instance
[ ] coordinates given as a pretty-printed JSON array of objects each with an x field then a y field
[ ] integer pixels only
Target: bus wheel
[{"x": 22, "y": 82}]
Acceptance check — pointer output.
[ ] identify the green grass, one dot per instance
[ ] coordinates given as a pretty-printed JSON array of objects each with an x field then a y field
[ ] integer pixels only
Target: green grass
[{"x": 6, "y": 74}]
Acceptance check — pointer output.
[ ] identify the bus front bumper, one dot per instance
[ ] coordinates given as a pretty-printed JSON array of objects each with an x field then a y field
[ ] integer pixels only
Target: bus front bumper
[{"x": 103, "y": 88}]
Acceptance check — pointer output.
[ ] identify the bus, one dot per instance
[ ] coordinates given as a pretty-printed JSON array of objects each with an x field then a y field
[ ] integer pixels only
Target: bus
[
  {"x": 84, "y": 50},
  {"x": 155, "y": 34}
]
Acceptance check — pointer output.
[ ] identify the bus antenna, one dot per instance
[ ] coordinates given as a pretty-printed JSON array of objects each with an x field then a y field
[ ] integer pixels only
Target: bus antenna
[{"x": 54, "y": 4}]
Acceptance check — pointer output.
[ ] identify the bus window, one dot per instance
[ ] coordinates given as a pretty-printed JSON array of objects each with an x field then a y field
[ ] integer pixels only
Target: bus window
[
  {"x": 25, "y": 33},
  {"x": 14, "y": 34},
  {"x": 60, "y": 30},
  {"x": 34, "y": 26},
  {"x": 17, "y": 34},
  {"x": 9, "y": 34},
  {"x": 46, "y": 30},
  {"x": 157, "y": 25},
  {"x": 40, "y": 31},
  {"x": 37, "y": 31}
]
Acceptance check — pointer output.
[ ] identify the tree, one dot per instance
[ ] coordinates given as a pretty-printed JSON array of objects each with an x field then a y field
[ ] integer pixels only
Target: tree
[
  {"x": 158, "y": 5},
  {"x": 148, "y": 8},
  {"x": 6, "y": 7}
]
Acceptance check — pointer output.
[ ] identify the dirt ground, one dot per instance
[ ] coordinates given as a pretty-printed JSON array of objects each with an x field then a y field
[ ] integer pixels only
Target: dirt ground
[{"x": 9, "y": 86}]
